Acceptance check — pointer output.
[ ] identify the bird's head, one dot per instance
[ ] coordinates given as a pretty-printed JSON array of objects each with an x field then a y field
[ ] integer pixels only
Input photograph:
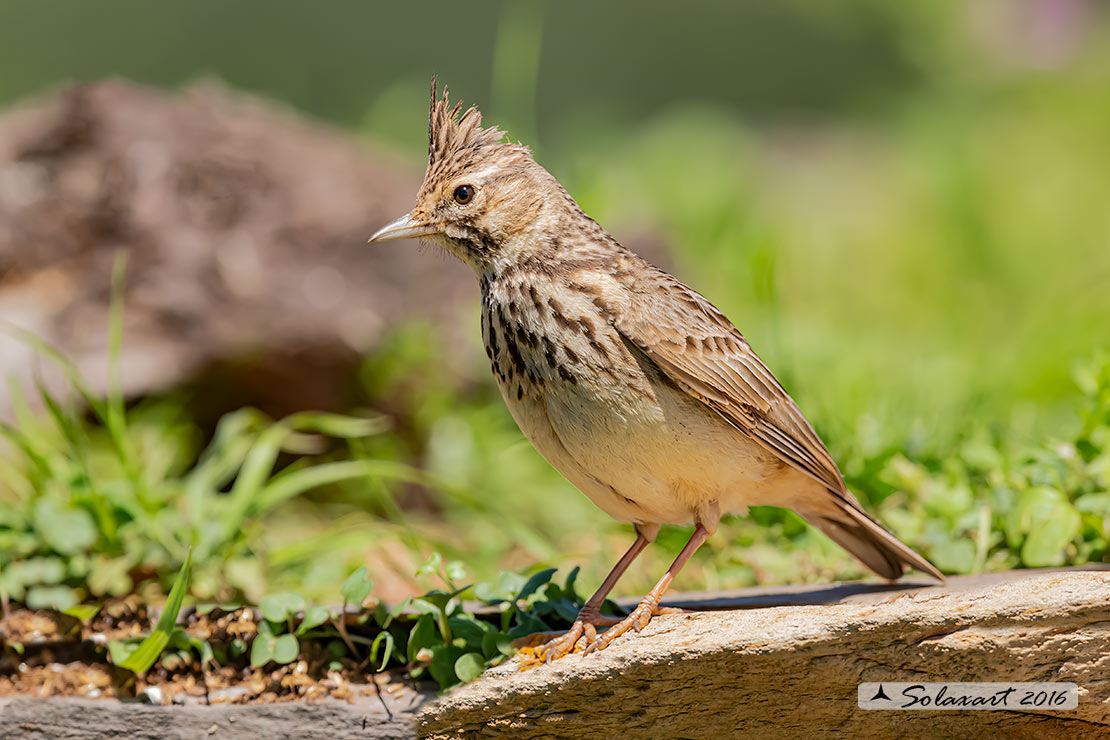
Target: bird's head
[{"x": 482, "y": 197}]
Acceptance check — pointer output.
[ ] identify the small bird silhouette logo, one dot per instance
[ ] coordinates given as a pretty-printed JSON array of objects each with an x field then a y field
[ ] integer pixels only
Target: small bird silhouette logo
[{"x": 880, "y": 694}]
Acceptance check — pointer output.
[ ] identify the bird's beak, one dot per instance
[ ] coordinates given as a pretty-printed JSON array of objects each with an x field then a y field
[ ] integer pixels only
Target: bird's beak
[{"x": 403, "y": 228}]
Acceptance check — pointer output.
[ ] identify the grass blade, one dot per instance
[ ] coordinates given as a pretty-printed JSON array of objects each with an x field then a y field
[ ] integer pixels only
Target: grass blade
[
  {"x": 150, "y": 648},
  {"x": 287, "y": 485},
  {"x": 116, "y": 420}
]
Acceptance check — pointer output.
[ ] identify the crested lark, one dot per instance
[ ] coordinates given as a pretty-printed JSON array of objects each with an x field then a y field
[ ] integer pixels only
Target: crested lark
[{"x": 635, "y": 387}]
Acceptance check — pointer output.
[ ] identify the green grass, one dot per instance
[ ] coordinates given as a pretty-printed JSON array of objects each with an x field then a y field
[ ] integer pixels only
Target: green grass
[{"x": 98, "y": 500}]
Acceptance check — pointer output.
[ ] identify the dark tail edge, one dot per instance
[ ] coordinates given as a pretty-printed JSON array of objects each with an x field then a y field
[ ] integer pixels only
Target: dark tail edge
[{"x": 857, "y": 532}]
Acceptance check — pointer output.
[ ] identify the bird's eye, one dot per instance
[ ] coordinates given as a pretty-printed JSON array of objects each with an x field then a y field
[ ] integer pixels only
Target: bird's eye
[{"x": 464, "y": 194}]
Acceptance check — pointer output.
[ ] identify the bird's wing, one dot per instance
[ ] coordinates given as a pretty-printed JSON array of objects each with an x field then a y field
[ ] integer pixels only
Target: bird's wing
[{"x": 697, "y": 347}]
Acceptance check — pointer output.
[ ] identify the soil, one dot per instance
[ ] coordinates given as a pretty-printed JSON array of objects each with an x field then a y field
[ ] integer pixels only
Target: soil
[{"x": 46, "y": 654}]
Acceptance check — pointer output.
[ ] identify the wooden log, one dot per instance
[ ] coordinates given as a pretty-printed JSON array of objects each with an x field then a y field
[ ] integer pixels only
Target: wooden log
[{"x": 792, "y": 671}]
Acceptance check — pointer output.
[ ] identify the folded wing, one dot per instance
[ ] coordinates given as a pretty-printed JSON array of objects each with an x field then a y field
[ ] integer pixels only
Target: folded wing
[{"x": 694, "y": 344}]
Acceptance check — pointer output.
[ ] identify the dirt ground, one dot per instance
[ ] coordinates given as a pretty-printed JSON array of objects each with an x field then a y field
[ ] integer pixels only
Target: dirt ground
[{"x": 47, "y": 654}]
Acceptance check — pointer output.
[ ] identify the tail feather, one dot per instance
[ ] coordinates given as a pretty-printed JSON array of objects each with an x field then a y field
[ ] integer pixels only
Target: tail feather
[{"x": 853, "y": 529}]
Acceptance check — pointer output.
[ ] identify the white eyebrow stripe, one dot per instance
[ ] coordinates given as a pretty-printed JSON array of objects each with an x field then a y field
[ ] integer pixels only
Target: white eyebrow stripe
[{"x": 479, "y": 174}]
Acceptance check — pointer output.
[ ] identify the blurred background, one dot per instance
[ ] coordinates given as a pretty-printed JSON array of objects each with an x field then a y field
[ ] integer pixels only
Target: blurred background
[{"x": 903, "y": 206}]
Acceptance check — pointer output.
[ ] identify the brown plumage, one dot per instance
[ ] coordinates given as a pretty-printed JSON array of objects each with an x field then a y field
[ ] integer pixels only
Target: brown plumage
[{"x": 630, "y": 383}]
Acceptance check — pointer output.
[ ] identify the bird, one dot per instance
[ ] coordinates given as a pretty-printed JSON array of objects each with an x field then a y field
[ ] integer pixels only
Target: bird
[{"x": 630, "y": 383}]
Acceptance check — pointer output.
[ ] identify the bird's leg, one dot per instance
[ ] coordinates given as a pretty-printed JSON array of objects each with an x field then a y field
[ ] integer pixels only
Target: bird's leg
[
  {"x": 590, "y": 616},
  {"x": 649, "y": 605}
]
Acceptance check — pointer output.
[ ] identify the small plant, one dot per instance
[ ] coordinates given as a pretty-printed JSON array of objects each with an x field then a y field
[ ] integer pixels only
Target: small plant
[
  {"x": 452, "y": 644},
  {"x": 97, "y": 505},
  {"x": 438, "y": 635},
  {"x": 139, "y": 656},
  {"x": 994, "y": 504}
]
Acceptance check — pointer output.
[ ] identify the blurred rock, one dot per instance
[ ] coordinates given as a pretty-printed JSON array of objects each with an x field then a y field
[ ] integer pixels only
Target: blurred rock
[
  {"x": 245, "y": 228},
  {"x": 249, "y": 278}
]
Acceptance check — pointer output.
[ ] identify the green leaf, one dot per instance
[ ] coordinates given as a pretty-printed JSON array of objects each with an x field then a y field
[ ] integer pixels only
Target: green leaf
[
  {"x": 279, "y": 607},
  {"x": 83, "y": 612},
  {"x": 37, "y": 570},
  {"x": 28, "y": 447},
  {"x": 150, "y": 648},
  {"x": 288, "y": 484},
  {"x": 72, "y": 432},
  {"x": 442, "y": 666},
  {"x": 236, "y": 648},
  {"x": 183, "y": 640},
  {"x": 115, "y": 418},
  {"x": 313, "y": 617},
  {"x": 390, "y": 644},
  {"x": 120, "y": 650},
  {"x": 505, "y": 588},
  {"x": 469, "y": 666},
  {"x": 433, "y": 602},
  {"x": 51, "y": 597},
  {"x": 110, "y": 576},
  {"x": 566, "y": 609},
  {"x": 469, "y": 630},
  {"x": 537, "y": 580},
  {"x": 424, "y": 635},
  {"x": 65, "y": 529},
  {"x": 286, "y": 649},
  {"x": 494, "y": 643},
  {"x": 256, "y": 468},
  {"x": 568, "y": 586},
  {"x": 357, "y": 587},
  {"x": 339, "y": 425},
  {"x": 262, "y": 647},
  {"x": 455, "y": 571},
  {"x": 954, "y": 556},
  {"x": 485, "y": 592},
  {"x": 1097, "y": 503},
  {"x": 527, "y": 624},
  {"x": 267, "y": 646},
  {"x": 1035, "y": 506},
  {"x": 1045, "y": 545},
  {"x": 431, "y": 565}
]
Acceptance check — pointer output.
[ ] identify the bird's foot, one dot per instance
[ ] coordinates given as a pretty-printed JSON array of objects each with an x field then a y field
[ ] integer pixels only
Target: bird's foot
[
  {"x": 584, "y": 629},
  {"x": 637, "y": 620}
]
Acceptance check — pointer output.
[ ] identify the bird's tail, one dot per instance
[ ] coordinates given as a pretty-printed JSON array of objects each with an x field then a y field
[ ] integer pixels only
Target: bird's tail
[{"x": 857, "y": 532}]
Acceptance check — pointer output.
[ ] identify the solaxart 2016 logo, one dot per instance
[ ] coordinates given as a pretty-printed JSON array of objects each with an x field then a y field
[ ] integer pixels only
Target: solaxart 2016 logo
[{"x": 968, "y": 696}]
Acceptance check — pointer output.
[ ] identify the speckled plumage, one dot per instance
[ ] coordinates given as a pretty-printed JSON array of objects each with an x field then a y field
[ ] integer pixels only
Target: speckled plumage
[{"x": 630, "y": 383}]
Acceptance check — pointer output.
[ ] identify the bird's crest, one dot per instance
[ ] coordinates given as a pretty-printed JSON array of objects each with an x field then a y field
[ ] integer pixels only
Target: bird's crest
[{"x": 459, "y": 139}]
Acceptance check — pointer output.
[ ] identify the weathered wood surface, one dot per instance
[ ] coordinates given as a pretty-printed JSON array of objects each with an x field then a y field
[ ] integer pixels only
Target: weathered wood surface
[
  {"x": 769, "y": 663},
  {"x": 792, "y": 672}
]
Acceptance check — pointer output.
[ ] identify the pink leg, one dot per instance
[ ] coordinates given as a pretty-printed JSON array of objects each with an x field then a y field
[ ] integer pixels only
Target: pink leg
[
  {"x": 649, "y": 606},
  {"x": 590, "y": 616}
]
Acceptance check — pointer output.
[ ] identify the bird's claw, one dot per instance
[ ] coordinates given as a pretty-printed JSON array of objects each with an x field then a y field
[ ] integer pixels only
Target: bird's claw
[
  {"x": 637, "y": 620},
  {"x": 583, "y": 630},
  {"x": 583, "y": 633}
]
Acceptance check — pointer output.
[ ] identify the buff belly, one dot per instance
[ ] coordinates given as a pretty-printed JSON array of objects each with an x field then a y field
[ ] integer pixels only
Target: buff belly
[{"x": 657, "y": 458}]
